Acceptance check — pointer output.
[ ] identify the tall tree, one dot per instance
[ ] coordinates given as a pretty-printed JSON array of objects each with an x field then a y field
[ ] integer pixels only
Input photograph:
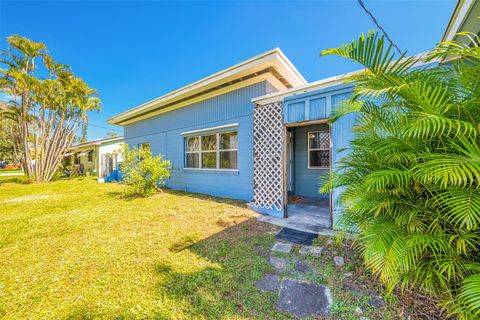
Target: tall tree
[
  {"x": 111, "y": 135},
  {"x": 7, "y": 127},
  {"x": 83, "y": 137},
  {"x": 48, "y": 105}
]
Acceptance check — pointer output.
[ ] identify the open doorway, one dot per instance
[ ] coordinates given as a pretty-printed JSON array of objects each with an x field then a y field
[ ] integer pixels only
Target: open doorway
[{"x": 308, "y": 158}]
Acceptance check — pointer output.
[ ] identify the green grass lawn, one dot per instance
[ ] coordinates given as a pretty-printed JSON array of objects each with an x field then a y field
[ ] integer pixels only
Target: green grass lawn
[
  {"x": 78, "y": 249},
  {"x": 10, "y": 170}
]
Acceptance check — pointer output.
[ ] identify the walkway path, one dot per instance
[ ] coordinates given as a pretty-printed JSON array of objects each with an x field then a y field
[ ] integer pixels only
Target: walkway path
[{"x": 298, "y": 285}]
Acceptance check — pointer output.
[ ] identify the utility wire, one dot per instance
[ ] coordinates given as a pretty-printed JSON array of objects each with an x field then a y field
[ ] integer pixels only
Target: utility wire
[
  {"x": 102, "y": 127},
  {"x": 362, "y": 4}
]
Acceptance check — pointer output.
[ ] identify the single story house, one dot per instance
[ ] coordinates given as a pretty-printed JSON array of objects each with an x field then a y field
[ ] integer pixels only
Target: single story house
[
  {"x": 98, "y": 158},
  {"x": 255, "y": 131}
]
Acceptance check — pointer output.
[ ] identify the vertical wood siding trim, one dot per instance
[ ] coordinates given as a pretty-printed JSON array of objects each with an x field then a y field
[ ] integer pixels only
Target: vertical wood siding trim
[{"x": 311, "y": 106}]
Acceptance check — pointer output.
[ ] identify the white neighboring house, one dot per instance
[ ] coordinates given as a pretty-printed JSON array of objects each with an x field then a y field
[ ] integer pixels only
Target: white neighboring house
[{"x": 98, "y": 158}]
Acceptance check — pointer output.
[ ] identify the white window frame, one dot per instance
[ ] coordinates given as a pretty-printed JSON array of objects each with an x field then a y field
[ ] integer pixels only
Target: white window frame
[
  {"x": 217, "y": 151},
  {"x": 199, "y": 152},
  {"x": 217, "y": 154},
  {"x": 318, "y": 149}
]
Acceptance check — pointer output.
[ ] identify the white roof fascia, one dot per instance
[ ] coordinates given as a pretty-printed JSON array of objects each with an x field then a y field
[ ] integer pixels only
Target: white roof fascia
[
  {"x": 95, "y": 142},
  {"x": 459, "y": 14}
]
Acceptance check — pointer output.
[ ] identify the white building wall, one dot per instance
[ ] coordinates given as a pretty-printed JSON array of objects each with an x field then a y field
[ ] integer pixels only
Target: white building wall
[{"x": 106, "y": 150}]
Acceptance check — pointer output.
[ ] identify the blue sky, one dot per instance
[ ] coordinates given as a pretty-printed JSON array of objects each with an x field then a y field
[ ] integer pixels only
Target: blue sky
[{"x": 132, "y": 52}]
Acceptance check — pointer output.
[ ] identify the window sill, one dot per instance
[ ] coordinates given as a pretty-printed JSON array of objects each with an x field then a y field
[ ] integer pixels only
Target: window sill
[{"x": 216, "y": 171}]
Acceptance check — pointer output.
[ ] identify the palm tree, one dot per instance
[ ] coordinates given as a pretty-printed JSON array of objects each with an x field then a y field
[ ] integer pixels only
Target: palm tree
[
  {"x": 412, "y": 175},
  {"x": 47, "y": 112}
]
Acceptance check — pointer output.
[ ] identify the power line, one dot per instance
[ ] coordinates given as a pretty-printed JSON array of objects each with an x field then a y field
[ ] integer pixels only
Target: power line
[
  {"x": 379, "y": 26},
  {"x": 102, "y": 127}
]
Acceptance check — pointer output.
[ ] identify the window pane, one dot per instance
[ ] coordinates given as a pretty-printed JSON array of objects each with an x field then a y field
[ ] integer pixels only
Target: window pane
[
  {"x": 320, "y": 158},
  {"x": 192, "y": 143},
  {"x": 228, "y": 160},
  {"x": 228, "y": 140},
  {"x": 209, "y": 160},
  {"x": 318, "y": 140},
  {"x": 209, "y": 142},
  {"x": 192, "y": 160}
]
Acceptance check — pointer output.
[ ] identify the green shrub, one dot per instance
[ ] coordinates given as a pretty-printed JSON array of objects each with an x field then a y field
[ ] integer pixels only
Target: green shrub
[
  {"x": 412, "y": 177},
  {"x": 142, "y": 171}
]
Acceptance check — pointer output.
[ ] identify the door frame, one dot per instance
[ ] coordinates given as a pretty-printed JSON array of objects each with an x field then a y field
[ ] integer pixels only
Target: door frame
[
  {"x": 289, "y": 154},
  {"x": 290, "y": 161}
]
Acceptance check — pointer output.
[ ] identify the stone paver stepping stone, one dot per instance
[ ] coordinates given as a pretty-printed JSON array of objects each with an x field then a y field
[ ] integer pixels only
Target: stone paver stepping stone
[
  {"x": 339, "y": 261},
  {"x": 303, "y": 299},
  {"x": 279, "y": 264},
  {"x": 310, "y": 250},
  {"x": 269, "y": 283},
  {"x": 282, "y": 247},
  {"x": 376, "y": 302},
  {"x": 303, "y": 266}
]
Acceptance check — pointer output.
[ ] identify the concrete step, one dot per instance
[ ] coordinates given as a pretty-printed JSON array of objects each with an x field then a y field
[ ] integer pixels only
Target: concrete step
[
  {"x": 318, "y": 228},
  {"x": 320, "y": 221}
]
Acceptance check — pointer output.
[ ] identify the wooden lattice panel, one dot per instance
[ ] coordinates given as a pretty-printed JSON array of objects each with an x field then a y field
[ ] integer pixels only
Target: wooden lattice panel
[{"x": 268, "y": 145}]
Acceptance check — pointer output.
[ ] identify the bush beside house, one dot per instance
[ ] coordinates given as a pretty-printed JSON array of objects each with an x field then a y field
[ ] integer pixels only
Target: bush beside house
[
  {"x": 142, "y": 171},
  {"x": 412, "y": 177}
]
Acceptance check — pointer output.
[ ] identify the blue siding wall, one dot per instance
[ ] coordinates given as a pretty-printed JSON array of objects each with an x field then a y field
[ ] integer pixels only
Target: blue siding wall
[
  {"x": 306, "y": 180},
  {"x": 164, "y": 133},
  {"x": 342, "y": 134},
  {"x": 318, "y": 108},
  {"x": 295, "y": 112},
  {"x": 312, "y": 105}
]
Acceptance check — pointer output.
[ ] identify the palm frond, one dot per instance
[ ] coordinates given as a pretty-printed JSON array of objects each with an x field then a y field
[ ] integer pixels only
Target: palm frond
[
  {"x": 410, "y": 180},
  {"x": 468, "y": 305}
]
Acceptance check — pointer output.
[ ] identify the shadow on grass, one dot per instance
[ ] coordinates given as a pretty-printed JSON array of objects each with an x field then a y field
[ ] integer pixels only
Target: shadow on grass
[
  {"x": 23, "y": 179},
  {"x": 236, "y": 258},
  {"x": 13, "y": 179},
  {"x": 123, "y": 195},
  {"x": 226, "y": 289},
  {"x": 128, "y": 197}
]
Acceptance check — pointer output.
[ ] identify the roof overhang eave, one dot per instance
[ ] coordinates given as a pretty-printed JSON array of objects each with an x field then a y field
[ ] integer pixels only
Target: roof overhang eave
[
  {"x": 90, "y": 144},
  {"x": 460, "y": 14},
  {"x": 274, "y": 59}
]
